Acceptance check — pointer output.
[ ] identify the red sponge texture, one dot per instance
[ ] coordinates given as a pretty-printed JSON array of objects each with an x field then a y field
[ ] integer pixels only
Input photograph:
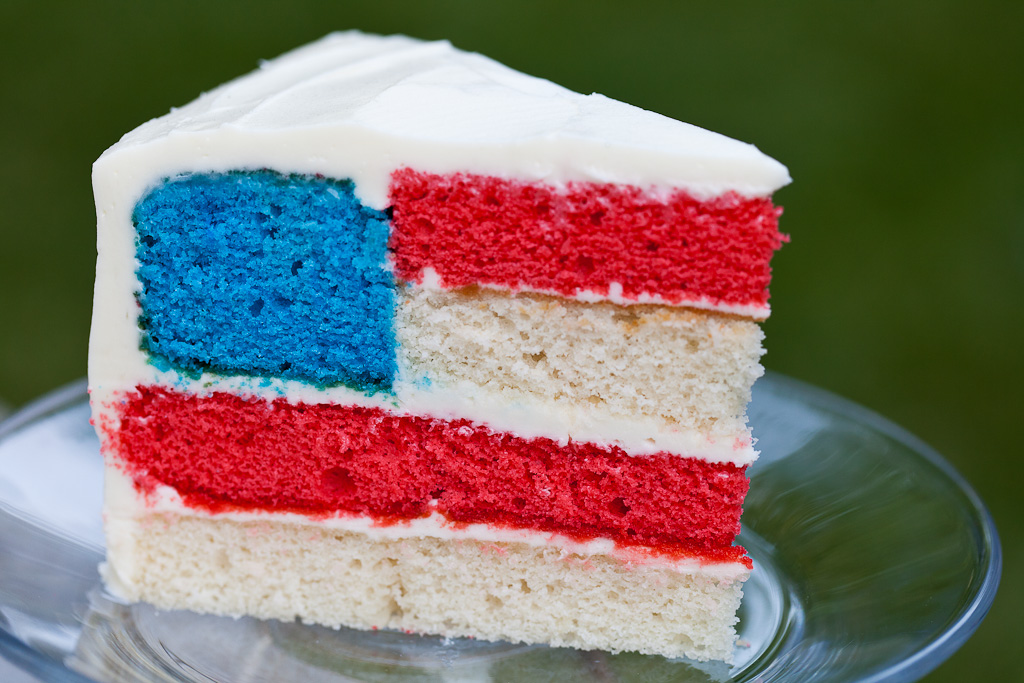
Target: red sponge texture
[
  {"x": 223, "y": 452},
  {"x": 583, "y": 237}
]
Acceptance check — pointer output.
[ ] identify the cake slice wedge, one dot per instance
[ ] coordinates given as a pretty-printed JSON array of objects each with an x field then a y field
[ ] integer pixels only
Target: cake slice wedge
[{"x": 388, "y": 335}]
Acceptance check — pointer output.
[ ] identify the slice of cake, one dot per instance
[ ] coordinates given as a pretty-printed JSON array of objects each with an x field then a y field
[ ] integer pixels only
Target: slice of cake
[{"x": 388, "y": 335}]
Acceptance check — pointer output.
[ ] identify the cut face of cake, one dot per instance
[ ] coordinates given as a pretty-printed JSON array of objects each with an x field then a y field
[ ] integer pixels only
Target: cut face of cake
[{"x": 388, "y": 335}]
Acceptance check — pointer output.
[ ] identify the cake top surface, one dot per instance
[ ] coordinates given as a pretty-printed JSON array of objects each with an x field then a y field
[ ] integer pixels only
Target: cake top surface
[{"x": 360, "y": 106}]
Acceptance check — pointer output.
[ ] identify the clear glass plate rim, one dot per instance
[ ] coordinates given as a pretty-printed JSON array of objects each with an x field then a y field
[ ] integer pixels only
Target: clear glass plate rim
[
  {"x": 21, "y": 655},
  {"x": 912, "y": 668},
  {"x": 934, "y": 653}
]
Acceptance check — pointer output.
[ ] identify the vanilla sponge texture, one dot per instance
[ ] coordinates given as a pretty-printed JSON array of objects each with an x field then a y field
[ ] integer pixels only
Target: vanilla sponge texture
[
  {"x": 687, "y": 370},
  {"x": 494, "y": 591}
]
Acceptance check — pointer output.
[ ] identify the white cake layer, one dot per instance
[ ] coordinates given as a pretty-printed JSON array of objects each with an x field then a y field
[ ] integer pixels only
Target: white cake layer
[
  {"x": 122, "y": 501},
  {"x": 674, "y": 371},
  {"x": 487, "y": 590}
]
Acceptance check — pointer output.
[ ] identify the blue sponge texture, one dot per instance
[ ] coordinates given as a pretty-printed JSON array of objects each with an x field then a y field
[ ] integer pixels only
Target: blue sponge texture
[{"x": 264, "y": 274}]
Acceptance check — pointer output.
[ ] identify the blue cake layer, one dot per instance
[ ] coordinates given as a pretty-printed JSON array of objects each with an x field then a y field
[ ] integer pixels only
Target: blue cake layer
[{"x": 259, "y": 273}]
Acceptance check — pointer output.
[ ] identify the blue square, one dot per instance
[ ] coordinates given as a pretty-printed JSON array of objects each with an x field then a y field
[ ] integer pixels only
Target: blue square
[{"x": 258, "y": 273}]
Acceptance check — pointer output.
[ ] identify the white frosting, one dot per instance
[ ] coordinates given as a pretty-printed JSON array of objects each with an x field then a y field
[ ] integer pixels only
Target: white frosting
[
  {"x": 122, "y": 502},
  {"x": 359, "y": 106},
  {"x": 431, "y": 280}
]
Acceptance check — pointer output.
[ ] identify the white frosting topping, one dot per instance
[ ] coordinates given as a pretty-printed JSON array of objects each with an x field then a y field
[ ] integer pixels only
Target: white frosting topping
[
  {"x": 360, "y": 106},
  {"x": 122, "y": 502}
]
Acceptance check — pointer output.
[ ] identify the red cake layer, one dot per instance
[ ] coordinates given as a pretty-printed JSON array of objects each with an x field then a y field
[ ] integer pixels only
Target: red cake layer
[
  {"x": 223, "y": 452},
  {"x": 485, "y": 230}
]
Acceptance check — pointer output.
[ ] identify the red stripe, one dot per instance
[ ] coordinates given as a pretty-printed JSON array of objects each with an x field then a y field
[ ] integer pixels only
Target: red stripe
[
  {"x": 485, "y": 230},
  {"x": 224, "y": 453}
]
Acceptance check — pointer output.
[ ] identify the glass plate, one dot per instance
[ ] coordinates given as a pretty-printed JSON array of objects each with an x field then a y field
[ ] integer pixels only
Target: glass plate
[{"x": 874, "y": 561}]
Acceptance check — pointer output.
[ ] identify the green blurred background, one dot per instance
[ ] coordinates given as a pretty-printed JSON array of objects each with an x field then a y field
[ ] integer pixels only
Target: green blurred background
[{"x": 901, "y": 123}]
